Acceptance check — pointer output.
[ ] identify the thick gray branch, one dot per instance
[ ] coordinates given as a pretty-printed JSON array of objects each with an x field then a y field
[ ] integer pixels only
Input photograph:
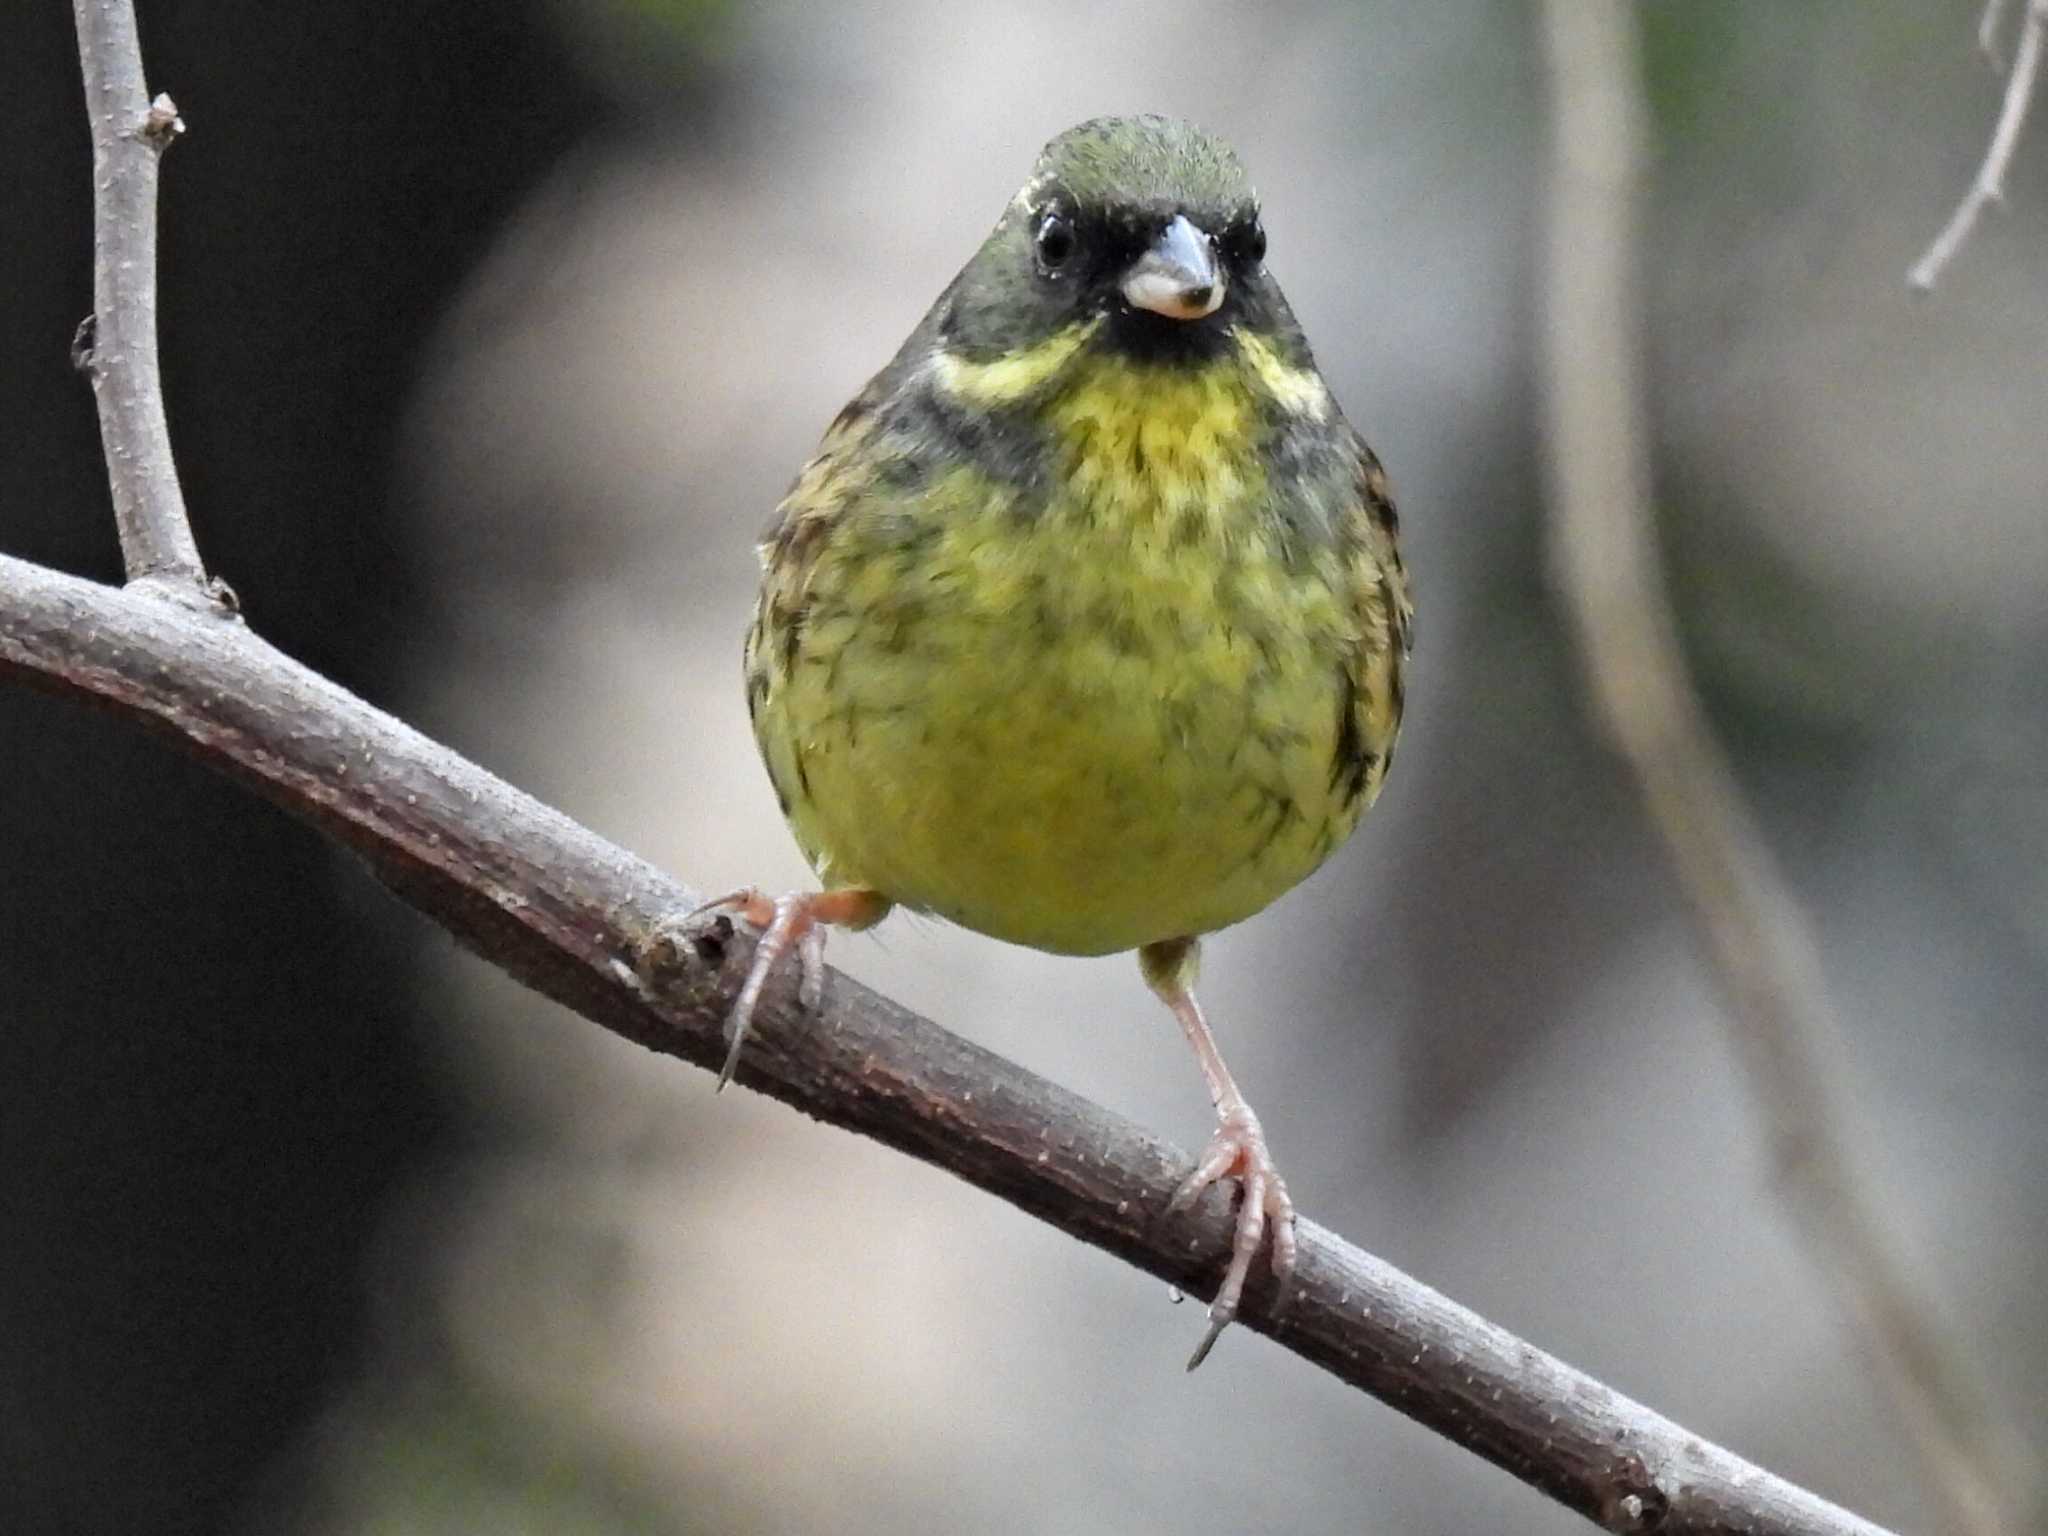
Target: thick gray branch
[
  {"x": 567, "y": 913},
  {"x": 117, "y": 346}
]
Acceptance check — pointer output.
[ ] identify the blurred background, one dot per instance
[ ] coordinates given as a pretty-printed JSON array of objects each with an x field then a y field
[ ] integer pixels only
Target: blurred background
[{"x": 492, "y": 334}]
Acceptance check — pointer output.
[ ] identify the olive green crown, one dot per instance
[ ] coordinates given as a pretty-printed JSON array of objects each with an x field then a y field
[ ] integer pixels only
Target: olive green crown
[{"x": 1111, "y": 160}]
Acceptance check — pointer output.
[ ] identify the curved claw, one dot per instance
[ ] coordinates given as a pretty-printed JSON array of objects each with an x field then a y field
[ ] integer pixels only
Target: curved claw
[{"x": 1215, "y": 1332}]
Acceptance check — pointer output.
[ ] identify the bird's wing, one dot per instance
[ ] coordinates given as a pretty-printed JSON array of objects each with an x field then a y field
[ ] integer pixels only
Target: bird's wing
[
  {"x": 791, "y": 544},
  {"x": 1384, "y": 614}
]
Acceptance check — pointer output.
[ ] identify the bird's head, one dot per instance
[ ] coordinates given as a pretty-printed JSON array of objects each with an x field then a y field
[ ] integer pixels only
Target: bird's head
[{"x": 1146, "y": 224}]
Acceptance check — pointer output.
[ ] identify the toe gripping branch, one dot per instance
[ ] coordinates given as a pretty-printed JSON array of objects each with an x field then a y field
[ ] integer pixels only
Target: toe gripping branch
[
  {"x": 796, "y": 921},
  {"x": 1239, "y": 1148}
]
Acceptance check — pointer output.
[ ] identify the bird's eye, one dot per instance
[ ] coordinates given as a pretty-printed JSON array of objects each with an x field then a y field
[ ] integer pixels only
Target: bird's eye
[
  {"x": 1054, "y": 242},
  {"x": 1247, "y": 242}
]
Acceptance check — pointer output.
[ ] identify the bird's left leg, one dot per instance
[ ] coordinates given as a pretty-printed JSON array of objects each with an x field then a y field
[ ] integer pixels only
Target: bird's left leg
[{"x": 1238, "y": 1147}]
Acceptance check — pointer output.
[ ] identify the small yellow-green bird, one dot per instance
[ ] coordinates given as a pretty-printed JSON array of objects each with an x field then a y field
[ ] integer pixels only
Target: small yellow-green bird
[{"x": 1085, "y": 626}]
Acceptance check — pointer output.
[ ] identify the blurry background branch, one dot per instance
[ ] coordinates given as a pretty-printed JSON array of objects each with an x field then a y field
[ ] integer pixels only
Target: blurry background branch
[
  {"x": 567, "y": 912},
  {"x": 1989, "y": 185},
  {"x": 1606, "y": 564}
]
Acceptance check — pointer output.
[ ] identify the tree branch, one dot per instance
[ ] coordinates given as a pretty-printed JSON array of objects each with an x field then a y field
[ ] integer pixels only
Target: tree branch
[
  {"x": 569, "y": 914},
  {"x": 1989, "y": 187},
  {"x": 1606, "y": 565},
  {"x": 116, "y": 346}
]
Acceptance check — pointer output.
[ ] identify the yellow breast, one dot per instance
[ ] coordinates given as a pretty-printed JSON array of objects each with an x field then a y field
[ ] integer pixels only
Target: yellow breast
[{"x": 1103, "y": 718}]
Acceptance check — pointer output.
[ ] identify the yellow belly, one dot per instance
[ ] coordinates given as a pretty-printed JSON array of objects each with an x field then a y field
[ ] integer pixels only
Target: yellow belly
[{"x": 1072, "y": 732}]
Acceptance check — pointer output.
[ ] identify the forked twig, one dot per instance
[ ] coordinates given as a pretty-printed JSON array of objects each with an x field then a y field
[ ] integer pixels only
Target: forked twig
[{"x": 1989, "y": 185}]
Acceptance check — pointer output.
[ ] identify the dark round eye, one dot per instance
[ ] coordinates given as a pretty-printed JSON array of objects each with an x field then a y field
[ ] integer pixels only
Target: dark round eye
[
  {"x": 1054, "y": 242},
  {"x": 1248, "y": 242}
]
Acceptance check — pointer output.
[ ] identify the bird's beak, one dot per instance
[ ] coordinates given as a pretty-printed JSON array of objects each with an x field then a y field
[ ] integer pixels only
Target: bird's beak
[{"x": 1178, "y": 277}]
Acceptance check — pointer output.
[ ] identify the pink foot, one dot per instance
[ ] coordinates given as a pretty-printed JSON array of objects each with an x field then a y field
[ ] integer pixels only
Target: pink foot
[
  {"x": 796, "y": 921},
  {"x": 1239, "y": 1148}
]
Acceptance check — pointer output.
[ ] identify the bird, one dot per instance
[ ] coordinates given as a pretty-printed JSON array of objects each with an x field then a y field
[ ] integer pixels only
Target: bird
[{"x": 1086, "y": 625}]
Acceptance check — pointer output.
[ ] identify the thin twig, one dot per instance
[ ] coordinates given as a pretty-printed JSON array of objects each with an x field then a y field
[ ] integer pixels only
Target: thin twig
[
  {"x": 570, "y": 914},
  {"x": 117, "y": 347},
  {"x": 1606, "y": 566},
  {"x": 1989, "y": 186}
]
